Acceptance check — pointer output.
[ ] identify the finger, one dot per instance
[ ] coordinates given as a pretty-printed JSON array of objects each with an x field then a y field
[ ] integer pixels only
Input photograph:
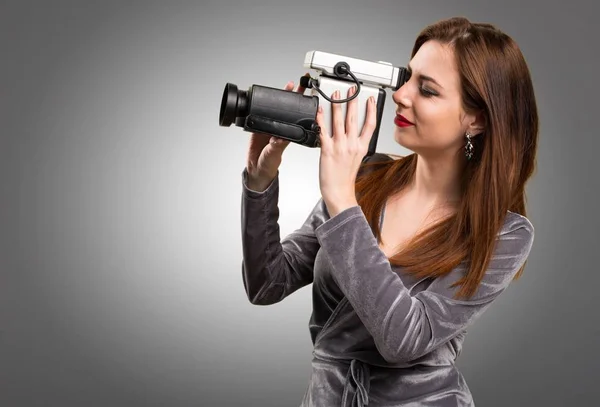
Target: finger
[
  {"x": 351, "y": 113},
  {"x": 324, "y": 137},
  {"x": 336, "y": 116},
  {"x": 370, "y": 123},
  {"x": 289, "y": 85}
]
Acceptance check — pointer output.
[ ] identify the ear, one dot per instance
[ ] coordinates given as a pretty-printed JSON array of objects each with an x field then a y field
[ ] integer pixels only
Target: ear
[{"x": 476, "y": 122}]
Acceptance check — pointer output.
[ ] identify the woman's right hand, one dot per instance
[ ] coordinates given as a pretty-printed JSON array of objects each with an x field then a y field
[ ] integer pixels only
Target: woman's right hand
[{"x": 264, "y": 154}]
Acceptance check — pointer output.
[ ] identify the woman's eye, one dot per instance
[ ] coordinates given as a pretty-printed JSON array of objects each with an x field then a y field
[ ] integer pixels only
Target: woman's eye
[{"x": 426, "y": 92}]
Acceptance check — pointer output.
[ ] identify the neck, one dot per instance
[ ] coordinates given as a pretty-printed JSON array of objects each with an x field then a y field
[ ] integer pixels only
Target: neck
[{"x": 437, "y": 180}]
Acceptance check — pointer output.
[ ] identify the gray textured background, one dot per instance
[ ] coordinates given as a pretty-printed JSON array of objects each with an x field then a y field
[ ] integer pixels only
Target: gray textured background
[{"x": 120, "y": 246}]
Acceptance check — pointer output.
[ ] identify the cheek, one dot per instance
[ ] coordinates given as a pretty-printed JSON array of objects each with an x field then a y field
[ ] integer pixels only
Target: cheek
[{"x": 437, "y": 123}]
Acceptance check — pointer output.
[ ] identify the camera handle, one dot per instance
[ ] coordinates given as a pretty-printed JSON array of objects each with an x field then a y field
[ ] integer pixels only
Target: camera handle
[{"x": 341, "y": 70}]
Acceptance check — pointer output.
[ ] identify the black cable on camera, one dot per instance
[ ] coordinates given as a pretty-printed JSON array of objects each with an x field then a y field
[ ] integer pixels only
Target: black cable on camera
[{"x": 341, "y": 70}]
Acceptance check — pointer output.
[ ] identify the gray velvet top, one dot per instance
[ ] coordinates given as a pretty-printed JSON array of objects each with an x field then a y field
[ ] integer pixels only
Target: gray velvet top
[{"x": 380, "y": 337}]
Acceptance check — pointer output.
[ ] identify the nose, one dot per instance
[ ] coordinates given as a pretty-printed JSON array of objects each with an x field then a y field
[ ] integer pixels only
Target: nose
[{"x": 400, "y": 96}]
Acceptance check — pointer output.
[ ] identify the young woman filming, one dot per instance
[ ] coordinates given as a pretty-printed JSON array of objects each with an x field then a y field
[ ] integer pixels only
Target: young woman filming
[{"x": 405, "y": 254}]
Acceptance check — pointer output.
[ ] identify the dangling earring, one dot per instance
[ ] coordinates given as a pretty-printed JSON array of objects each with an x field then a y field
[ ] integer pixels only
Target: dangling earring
[{"x": 469, "y": 149}]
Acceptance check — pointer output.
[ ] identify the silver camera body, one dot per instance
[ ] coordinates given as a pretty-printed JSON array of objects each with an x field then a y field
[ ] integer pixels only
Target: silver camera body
[{"x": 373, "y": 78}]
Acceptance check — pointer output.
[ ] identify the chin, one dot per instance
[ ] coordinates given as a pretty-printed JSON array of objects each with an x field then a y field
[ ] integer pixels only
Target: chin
[{"x": 405, "y": 139}]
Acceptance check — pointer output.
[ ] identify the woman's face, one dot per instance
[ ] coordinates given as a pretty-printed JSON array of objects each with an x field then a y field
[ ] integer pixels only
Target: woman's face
[{"x": 431, "y": 101}]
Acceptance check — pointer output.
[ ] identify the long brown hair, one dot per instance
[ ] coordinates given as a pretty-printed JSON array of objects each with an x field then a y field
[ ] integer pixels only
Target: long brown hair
[{"x": 495, "y": 80}]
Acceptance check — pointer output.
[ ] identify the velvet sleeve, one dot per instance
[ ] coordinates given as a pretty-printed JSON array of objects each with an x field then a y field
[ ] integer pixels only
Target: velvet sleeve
[
  {"x": 405, "y": 327},
  {"x": 273, "y": 269}
]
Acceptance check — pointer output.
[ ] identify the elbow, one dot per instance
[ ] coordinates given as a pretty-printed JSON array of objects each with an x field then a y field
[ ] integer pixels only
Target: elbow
[
  {"x": 262, "y": 300},
  {"x": 263, "y": 296},
  {"x": 256, "y": 290},
  {"x": 257, "y": 297},
  {"x": 253, "y": 298},
  {"x": 407, "y": 340}
]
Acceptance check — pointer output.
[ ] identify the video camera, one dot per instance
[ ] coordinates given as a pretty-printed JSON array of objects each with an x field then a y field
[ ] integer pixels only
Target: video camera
[{"x": 292, "y": 115}]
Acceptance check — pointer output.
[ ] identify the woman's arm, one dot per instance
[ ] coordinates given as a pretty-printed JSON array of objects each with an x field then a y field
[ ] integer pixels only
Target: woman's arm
[
  {"x": 405, "y": 327},
  {"x": 273, "y": 269}
]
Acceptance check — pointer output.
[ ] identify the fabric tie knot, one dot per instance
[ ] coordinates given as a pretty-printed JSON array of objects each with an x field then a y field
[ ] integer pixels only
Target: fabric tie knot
[{"x": 356, "y": 390}]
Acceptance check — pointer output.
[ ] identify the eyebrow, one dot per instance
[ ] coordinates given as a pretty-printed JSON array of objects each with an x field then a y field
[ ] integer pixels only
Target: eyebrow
[{"x": 424, "y": 77}]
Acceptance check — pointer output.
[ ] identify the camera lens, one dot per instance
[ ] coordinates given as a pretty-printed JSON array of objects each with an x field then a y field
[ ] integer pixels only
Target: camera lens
[{"x": 233, "y": 105}]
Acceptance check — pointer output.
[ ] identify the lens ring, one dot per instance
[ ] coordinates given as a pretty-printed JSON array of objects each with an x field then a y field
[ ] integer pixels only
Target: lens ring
[{"x": 229, "y": 103}]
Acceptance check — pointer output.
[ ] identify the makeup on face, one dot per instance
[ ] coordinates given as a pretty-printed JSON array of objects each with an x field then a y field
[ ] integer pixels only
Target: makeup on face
[{"x": 402, "y": 121}]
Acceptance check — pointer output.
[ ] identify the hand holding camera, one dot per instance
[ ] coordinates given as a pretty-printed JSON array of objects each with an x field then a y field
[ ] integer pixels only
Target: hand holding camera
[
  {"x": 279, "y": 114},
  {"x": 264, "y": 155}
]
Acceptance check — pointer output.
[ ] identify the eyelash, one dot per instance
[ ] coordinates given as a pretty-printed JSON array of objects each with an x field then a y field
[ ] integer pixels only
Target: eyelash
[{"x": 426, "y": 93}]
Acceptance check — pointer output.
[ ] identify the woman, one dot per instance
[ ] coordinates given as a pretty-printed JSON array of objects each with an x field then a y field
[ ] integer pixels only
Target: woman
[{"x": 406, "y": 256}]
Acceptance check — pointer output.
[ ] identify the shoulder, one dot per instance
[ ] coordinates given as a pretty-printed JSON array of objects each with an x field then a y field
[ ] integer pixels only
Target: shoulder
[
  {"x": 517, "y": 231},
  {"x": 514, "y": 221}
]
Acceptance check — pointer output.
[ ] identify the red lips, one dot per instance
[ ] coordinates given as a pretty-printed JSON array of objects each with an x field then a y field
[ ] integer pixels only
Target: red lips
[{"x": 402, "y": 121}]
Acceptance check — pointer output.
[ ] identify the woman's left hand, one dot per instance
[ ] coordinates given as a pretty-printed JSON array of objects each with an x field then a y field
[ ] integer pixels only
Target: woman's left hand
[{"x": 342, "y": 154}]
